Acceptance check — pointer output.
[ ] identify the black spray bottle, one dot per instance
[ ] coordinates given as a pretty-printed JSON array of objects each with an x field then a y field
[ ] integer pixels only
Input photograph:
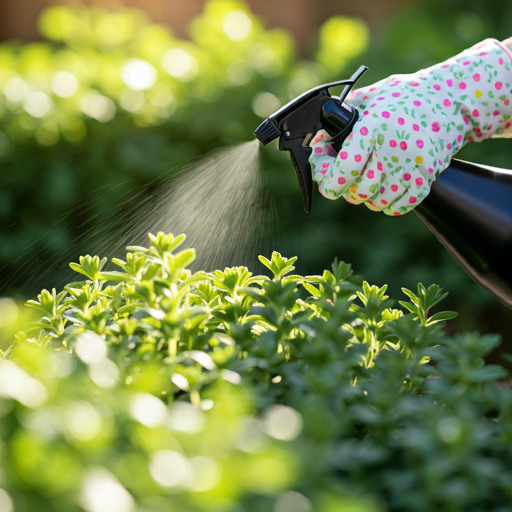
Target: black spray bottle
[{"x": 469, "y": 208}]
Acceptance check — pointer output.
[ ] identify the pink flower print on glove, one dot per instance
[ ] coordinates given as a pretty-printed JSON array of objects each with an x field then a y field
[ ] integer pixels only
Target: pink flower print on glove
[{"x": 410, "y": 126}]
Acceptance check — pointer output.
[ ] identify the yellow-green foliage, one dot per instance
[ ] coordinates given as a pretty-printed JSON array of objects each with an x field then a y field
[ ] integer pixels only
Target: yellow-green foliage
[
  {"x": 99, "y": 64},
  {"x": 155, "y": 388}
]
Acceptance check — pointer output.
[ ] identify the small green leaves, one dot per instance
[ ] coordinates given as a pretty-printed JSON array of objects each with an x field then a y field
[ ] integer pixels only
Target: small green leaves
[
  {"x": 90, "y": 266},
  {"x": 425, "y": 299},
  {"x": 375, "y": 302},
  {"x": 278, "y": 265},
  {"x": 333, "y": 284},
  {"x": 48, "y": 303},
  {"x": 231, "y": 279},
  {"x": 358, "y": 372},
  {"x": 174, "y": 263},
  {"x": 341, "y": 271},
  {"x": 165, "y": 243},
  {"x": 133, "y": 264}
]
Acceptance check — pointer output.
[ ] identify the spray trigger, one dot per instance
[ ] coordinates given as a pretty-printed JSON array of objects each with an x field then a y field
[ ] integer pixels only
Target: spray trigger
[{"x": 299, "y": 120}]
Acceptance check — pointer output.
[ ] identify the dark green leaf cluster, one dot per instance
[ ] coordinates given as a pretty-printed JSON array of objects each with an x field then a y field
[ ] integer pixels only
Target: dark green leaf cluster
[{"x": 267, "y": 393}]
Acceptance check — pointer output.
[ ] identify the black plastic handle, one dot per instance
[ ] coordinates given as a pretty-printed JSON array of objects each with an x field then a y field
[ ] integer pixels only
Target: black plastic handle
[{"x": 300, "y": 157}]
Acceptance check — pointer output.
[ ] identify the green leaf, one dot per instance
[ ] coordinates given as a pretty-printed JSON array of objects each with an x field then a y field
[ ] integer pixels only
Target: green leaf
[
  {"x": 414, "y": 299},
  {"x": 423, "y": 301},
  {"x": 341, "y": 270},
  {"x": 279, "y": 265},
  {"x": 410, "y": 307},
  {"x": 112, "y": 275},
  {"x": 175, "y": 263},
  {"x": 441, "y": 317},
  {"x": 48, "y": 303},
  {"x": 165, "y": 243},
  {"x": 490, "y": 372},
  {"x": 89, "y": 266},
  {"x": 145, "y": 291},
  {"x": 231, "y": 279},
  {"x": 313, "y": 290},
  {"x": 184, "y": 258}
]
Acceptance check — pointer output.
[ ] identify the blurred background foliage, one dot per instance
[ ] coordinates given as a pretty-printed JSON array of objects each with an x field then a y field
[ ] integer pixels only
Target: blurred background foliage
[{"x": 110, "y": 103}]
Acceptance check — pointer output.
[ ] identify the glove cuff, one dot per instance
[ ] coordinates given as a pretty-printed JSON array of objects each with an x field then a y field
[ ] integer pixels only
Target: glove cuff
[{"x": 478, "y": 82}]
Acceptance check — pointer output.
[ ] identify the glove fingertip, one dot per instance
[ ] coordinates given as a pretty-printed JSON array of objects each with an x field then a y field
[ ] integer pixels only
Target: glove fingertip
[
  {"x": 372, "y": 206},
  {"x": 326, "y": 191},
  {"x": 320, "y": 137}
]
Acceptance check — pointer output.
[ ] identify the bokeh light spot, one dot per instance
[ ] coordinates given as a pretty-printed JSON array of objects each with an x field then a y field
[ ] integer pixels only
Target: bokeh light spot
[
  {"x": 163, "y": 100},
  {"x": 132, "y": 100},
  {"x": 237, "y": 25},
  {"x": 449, "y": 430},
  {"x": 148, "y": 410},
  {"x": 180, "y": 64},
  {"x": 64, "y": 84},
  {"x": 171, "y": 469},
  {"x": 38, "y": 104},
  {"x": 180, "y": 381},
  {"x": 265, "y": 60},
  {"x": 17, "y": 384},
  {"x": 16, "y": 89},
  {"x": 282, "y": 422},
  {"x": 105, "y": 373},
  {"x": 292, "y": 501},
  {"x": 8, "y": 312},
  {"x": 90, "y": 347},
  {"x": 98, "y": 107},
  {"x": 185, "y": 417},
  {"x": 6, "y": 504},
  {"x": 265, "y": 103},
  {"x": 83, "y": 421},
  {"x": 102, "y": 492},
  {"x": 139, "y": 75}
]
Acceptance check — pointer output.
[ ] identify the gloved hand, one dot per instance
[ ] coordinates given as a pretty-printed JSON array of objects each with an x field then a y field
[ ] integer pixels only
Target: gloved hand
[{"x": 410, "y": 126}]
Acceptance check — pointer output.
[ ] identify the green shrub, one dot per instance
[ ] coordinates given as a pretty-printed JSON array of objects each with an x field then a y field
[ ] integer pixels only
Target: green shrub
[
  {"x": 149, "y": 387},
  {"x": 110, "y": 106}
]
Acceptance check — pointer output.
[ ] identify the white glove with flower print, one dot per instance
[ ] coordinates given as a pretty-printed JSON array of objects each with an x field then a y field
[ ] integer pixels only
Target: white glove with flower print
[{"x": 410, "y": 126}]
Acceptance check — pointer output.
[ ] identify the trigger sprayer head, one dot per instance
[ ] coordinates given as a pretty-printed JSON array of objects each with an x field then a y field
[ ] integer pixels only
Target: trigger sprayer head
[
  {"x": 267, "y": 132},
  {"x": 299, "y": 120}
]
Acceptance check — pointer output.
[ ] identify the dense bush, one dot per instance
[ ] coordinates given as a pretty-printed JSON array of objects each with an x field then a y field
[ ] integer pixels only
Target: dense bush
[
  {"x": 154, "y": 388},
  {"x": 110, "y": 106}
]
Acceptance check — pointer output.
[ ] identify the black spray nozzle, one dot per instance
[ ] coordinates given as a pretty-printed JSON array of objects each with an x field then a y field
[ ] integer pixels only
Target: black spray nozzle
[
  {"x": 299, "y": 120},
  {"x": 267, "y": 131}
]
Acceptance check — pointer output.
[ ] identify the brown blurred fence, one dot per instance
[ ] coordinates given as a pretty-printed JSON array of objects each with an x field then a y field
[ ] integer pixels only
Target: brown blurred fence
[{"x": 18, "y": 18}]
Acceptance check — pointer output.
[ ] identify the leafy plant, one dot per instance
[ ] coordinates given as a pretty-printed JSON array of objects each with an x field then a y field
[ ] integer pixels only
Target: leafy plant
[{"x": 233, "y": 391}]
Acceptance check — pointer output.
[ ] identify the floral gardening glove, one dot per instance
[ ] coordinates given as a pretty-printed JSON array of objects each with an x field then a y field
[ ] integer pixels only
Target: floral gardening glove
[{"x": 410, "y": 126}]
